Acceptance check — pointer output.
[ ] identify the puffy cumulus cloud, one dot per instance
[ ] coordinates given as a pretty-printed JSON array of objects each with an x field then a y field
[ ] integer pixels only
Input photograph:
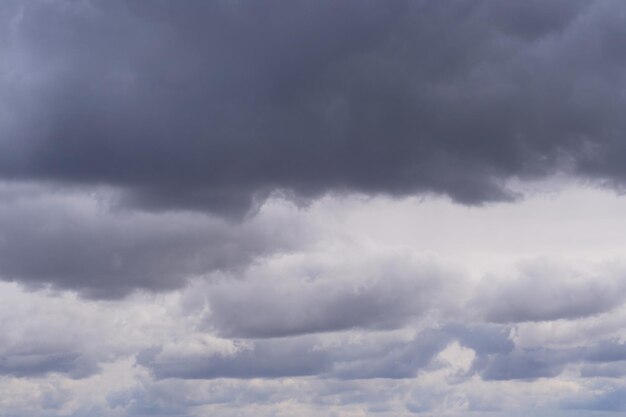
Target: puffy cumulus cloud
[
  {"x": 390, "y": 288},
  {"x": 153, "y": 355},
  {"x": 543, "y": 290},
  {"x": 213, "y": 105},
  {"x": 78, "y": 240},
  {"x": 319, "y": 292}
]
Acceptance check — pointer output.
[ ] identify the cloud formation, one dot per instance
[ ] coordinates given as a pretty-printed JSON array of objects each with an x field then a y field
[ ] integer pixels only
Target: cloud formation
[
  {"x": 310, "y": 293},
  {"x": 280, "y": 209},
  {"x": 544, "y": 291},
  {"x": 74, "y": 240},
  {"x": 214, "y": 105}
]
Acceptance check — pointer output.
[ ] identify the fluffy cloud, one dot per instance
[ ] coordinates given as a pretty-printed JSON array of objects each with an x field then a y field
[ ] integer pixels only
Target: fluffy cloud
[
  {"x": 544, "y": 290},
  {"x": 320, "y": 292}
]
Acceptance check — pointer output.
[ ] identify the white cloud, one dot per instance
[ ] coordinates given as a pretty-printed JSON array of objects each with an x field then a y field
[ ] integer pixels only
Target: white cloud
[{"x": 353, "y": 320}]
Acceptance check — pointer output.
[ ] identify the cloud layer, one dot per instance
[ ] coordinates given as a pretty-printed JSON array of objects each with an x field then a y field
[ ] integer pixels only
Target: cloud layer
[
  {"x": 312, "y": 208},
  {"x": 214, "y": 105}
]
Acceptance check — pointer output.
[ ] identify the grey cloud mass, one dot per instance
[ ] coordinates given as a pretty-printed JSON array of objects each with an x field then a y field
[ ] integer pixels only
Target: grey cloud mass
[
  {"x": 213, "y": 105},
  {"x": 77, "y": 241},
  {"x": 320, "y": 293},
  {"x": 388, "y": 289},
  {"x": 544, "y": 291}
]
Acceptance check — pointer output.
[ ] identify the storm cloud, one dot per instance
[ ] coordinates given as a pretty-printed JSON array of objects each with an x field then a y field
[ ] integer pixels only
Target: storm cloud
[{"x": 212, "y": 105}]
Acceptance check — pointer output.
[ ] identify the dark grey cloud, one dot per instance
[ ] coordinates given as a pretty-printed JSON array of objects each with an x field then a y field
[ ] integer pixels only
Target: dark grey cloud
[
  {"x": 215, "y": 104},
  {"x": 74, "y": 240}
]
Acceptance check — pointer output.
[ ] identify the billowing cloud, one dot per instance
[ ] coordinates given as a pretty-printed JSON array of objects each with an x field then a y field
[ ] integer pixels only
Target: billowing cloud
[
  {"x": 309, "y": 293},
  {"x": 214, "y": 105},
  {"x": 77, "y": 241},
  {"x": 544, "y": 291}
]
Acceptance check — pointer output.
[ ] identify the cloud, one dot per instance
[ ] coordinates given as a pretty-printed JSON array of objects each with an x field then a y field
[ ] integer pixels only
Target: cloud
[
  {"x": 74, "y": 240},
  {"x": 27, "y": 363},
  {"x": 606, "y": 351},
  {"x": 482, "y": 338},
  {"x": 260, "y": 360},
  {"x": 214, "y": 105},
  {"x": 40, "y": 337},
  {"x": 342, "y": 356},
  {"x": 320, "y": 292},
  {"x": 522, "y": 364},
  {"x": 604, "y": 370},
  {"x": 527, "y": 363},
  {"x": 545, "y": 290},
  {"x": 433, "y": 364},
  {"x": 201, "y": 208},
  {"x": 608, "y": 400}
]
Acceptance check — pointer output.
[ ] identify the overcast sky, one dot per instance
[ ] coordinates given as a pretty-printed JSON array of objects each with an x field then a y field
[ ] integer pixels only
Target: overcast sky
[{"x": 312, "y": 208}]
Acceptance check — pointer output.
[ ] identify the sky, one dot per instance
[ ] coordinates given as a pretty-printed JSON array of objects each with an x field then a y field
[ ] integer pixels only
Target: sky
[{"x": 312, "y": 208}]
